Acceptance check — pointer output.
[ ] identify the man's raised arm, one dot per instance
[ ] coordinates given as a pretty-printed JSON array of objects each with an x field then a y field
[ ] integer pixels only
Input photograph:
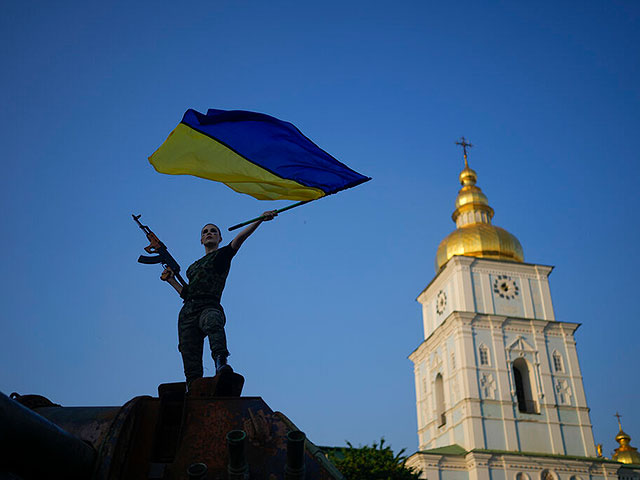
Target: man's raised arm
[{"x": 237, "y": 242}]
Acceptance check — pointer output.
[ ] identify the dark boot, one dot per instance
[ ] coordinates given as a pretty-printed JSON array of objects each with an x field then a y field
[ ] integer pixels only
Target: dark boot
[{"x": 221, "y": 364}]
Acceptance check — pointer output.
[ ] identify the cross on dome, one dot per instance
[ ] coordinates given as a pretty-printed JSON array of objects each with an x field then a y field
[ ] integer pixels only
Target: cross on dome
[
  {"x": 464, "y": 144},
  {"x": 619, "y": 417}
]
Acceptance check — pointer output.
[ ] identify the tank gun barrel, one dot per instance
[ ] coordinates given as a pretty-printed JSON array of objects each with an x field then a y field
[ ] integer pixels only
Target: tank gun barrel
[
  {"x": 294, "y": 469},
  {"x": 33, "y": 447}
]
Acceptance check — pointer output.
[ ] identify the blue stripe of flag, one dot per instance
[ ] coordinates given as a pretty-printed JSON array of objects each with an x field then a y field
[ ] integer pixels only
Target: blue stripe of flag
[{"x": 276, "y": 146}]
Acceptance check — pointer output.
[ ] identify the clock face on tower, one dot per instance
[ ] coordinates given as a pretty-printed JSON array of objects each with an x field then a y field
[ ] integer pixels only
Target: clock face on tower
[
  {"x": 505, "y": 287},
  {"x": 441, "y": 302}
]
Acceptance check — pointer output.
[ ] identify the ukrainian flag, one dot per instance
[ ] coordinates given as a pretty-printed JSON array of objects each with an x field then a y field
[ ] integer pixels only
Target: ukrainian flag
[{"x": 252, "y": 153}]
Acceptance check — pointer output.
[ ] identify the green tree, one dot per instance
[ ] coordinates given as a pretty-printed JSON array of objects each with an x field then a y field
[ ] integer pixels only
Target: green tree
[{"x": 376, "y": 462}]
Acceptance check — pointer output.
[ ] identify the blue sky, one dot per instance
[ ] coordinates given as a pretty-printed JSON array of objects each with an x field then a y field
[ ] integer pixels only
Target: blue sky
[{"x": 321, "y": 302}]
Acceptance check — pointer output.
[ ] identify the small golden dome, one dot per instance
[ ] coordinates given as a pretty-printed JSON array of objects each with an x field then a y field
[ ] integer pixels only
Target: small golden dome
[
  {"x": 625, "y": 453},
  {"x": 474, "y": 235},
  {"x": 622, "y": 437}
]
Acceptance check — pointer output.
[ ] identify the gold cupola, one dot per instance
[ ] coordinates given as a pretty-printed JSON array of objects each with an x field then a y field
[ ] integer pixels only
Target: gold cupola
[
  {"x": 475, "y": 236},
  {"x": 625, "y": 453}
]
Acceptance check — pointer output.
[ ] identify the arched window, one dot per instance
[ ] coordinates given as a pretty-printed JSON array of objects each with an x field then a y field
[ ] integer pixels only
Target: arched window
[
  {"x": 442, "y": 418},
  {"x": 547, "y": 475},
  {"x": 557, "y": 362},
  {"x": 522, "y": 380},
  {"x": 483, "y": 352}
]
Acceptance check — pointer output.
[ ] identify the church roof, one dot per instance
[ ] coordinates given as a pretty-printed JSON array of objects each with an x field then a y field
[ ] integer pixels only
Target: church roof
[
  {"x": 475, "y": 236},
  {"x": 454, "y": 449}
]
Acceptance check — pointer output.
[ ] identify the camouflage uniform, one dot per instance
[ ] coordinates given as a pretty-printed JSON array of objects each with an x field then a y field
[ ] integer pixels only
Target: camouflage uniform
[{"x": 202, "y": 315}]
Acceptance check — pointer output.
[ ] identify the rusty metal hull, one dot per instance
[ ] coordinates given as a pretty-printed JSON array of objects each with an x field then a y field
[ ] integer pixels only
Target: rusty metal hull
[
  {"x": 169, "y": 436},
  {"x": 207, "y": 421}
]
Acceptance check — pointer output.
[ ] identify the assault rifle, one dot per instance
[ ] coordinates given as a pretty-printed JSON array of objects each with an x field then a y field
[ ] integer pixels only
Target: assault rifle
[{"x": 163, "y": 256}]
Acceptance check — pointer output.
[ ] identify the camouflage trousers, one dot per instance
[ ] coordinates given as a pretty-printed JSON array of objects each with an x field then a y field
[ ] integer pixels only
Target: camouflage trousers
[{"x": 194, "y": 323}]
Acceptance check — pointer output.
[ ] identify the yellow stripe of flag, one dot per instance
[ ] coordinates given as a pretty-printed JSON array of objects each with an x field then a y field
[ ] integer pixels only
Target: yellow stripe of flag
[{"x": 189, "y": 152}]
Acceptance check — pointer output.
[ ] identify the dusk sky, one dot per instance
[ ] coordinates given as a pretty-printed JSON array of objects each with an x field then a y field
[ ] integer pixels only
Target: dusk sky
[{"x": 321, "y": 310}]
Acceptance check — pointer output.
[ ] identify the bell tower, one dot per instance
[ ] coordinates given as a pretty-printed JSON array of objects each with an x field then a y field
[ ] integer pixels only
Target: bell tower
[{"x": 496, "y": 370}]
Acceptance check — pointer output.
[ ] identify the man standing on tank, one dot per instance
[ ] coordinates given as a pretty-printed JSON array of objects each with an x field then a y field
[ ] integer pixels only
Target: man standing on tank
[{"x": 202, "y": 314}]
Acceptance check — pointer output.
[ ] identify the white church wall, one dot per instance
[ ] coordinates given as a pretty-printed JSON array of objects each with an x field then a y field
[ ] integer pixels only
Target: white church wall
[
  {"x": 426, "y": 319},
  {"x": 422, "y": 397},
  {"x": 568, "y": 415},
  {"x": 573, "y": 369},
  {"x": 573, "y": 441},
  {"x": 491, "y": 410},
  {"x": 485, "y": 465},
  {"x": 494, "y": 434},
  {"x": 511, "y": 305},
  {"x": 496, "y": 474},
  {"x": 534, "y": 437},
  {"x": 452, "y": 398},
  {"x": 504, "y": 340},
  {"x": 456, "y": 414},
  {"x": 458, "y": 434},
  {"x": 468, "y": 285},
  {"x": 485, "y": 386},
  {"x": 478, "y": 293},
  {"x": 438, "y": 301},
  {"x": 482, "y": 337},
  {"x": 425, "y": 437},
  {"x": 482, "y": 292},
  {"x": 441, "y": 441},
  {"x": 536, "y": 298},
  {"x": 450, "y": 348},
  {"x": 452, "y": 475}
]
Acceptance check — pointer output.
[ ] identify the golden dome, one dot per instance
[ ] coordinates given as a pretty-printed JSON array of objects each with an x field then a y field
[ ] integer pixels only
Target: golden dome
[
  {"x": 625, "y": 453},
  {"x": 474, "y": 235}
]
